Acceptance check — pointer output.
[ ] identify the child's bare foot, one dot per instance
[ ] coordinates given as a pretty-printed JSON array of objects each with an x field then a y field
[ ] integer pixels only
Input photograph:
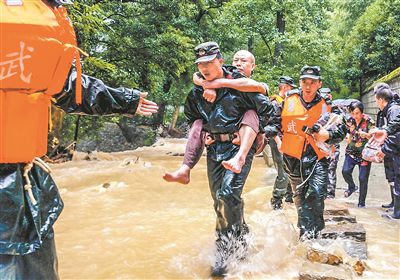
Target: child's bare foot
[
  {"x": 235, "y": 164},
  {"x": 182, "y": 175}
]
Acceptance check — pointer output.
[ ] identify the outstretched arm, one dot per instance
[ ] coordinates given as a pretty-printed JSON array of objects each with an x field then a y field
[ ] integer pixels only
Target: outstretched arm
[
  {"x": 100, "y": 99},
  {"x": 242, "y": 84}
]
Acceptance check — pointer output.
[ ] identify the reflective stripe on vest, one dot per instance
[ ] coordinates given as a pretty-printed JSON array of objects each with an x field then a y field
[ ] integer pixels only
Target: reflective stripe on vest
[
  {"x": 38, "y": 45},
  {"x": 294, "y": 118}
]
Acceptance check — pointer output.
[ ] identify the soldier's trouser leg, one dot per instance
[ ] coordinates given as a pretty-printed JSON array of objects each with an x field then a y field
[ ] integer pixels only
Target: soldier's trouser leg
[
  {"x": 281, "y": 181},
  {"x": 226, "y": 189},
  {"x": 332, "y": 174},
  {"x": 27, "y": 248},
  {"x": 289, "y": 194},
  {"x": 390, "y": 176},
  {"x": 39, "y": 265},
  {"x": 310, "y": 200},
  {"x": 396, "y": 189}
]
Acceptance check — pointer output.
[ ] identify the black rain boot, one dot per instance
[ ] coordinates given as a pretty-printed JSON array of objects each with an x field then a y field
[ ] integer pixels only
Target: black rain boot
[
  {"x": 391, "y": 204},
  {"x": 289, "y": 198},
  {"x": 219, "y": 268},
  {"x": 289, "y": 194},
  {"x": 276, "y": 203},
  {"x": 396, "y": 209}
]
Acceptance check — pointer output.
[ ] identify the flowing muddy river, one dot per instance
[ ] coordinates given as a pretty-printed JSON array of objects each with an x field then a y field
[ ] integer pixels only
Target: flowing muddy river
[{"x": 122, "y": 221}]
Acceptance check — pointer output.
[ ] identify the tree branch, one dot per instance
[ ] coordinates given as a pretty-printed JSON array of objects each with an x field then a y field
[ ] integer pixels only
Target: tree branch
[{"x": 266, "y": 43}]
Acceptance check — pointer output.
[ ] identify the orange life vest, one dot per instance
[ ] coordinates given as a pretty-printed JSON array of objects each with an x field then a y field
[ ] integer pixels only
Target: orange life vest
[
  {"x": 37, "y": 48},
  {"x": 294, "y": 118}
]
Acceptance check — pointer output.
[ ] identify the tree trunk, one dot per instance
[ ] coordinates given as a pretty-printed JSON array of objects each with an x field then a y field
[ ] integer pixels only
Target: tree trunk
[
  {"x": 280, "y": 25},
  {"x": 159, "y": 117},
  {"x": 175, "y": 116},
  {"x": 250, "y": 44}
]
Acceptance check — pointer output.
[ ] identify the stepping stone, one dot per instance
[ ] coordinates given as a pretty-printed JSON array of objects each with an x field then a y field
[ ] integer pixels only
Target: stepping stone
[
  {"x": 336, "y": 212},
  {"x": 346, "y": 231},
  {"x": 354, "y": 249},
  {"x": 318, "y": 271},
  {"x": 334, "y": 218}
]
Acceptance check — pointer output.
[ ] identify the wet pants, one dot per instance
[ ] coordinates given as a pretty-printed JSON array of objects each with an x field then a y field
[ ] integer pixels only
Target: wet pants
[
  {"x": 281, "y": 181},
  {"x": 333, "y": 163},
  {"x": 364, "y": 170},
  {"x": 27, "y": 249},
  {"x": 396, "y": 188},
  {"x": 226, "y": 189},
  {"x": 195, "y": 144},
  {"x": 309, "y": 199},
  {"x": 40, "y": 265}
]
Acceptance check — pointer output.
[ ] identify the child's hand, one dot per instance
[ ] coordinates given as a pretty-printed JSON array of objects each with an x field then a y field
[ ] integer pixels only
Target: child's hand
[
  {"x": 209, "y": 95},
  {"x": 197, "y": 80}
]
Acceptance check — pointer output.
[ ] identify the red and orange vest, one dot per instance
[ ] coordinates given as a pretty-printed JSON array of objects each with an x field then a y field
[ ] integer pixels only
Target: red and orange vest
[
  {"x": 37, "y": 48},
  {"x": 294, "y": 118}
]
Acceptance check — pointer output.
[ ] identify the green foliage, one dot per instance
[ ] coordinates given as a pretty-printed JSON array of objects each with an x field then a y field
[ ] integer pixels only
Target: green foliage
[
  {"x": 149, "y": 44},
  {"x": 372, "y": 48},
  {"x": 150, "y": 138}
]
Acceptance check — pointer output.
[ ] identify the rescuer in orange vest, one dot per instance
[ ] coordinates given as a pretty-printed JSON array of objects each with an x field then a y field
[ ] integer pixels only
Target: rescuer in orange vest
[
  {"x": 38, "y": 47},
  {"x": 281, "y": 186},
  {"x": 305, "y": 162}
]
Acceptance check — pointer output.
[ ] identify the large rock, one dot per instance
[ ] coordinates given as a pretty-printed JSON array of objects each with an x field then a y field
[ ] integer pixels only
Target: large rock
[
  {"x": 336, "y": 219},
  {"x": 333, "y": 211},
  {"x": 345, "y": 231},
  {"x": 354, "y": 249},
  {"x": 318, "y": 271},
  {"x": 118, "y": 137}
]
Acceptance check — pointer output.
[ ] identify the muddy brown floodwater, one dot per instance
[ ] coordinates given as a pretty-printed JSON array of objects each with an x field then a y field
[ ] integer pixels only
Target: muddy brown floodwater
[{"x": 122, "y": 221}]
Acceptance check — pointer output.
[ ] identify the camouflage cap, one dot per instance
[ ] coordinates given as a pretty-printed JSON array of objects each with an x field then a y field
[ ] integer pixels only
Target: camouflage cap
[
  {"x": 310, "y": 72},
  {"x": 287, "y": 80},
  {"x": 206, "y": 52}
]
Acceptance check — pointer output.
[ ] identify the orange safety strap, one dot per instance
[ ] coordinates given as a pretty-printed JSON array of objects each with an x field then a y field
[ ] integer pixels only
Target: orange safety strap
[
  {"x": 62, "y": 14},
  {"x": 78, "y": 84},
  {"x": 50, "y": 120}
]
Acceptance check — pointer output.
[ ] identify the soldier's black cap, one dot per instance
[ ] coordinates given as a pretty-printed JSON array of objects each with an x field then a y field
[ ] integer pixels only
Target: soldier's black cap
[
  {"x": 206, "y": 51},
  {"x": 287, "y": 80},
  {"x": 310, "y": 72}
]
